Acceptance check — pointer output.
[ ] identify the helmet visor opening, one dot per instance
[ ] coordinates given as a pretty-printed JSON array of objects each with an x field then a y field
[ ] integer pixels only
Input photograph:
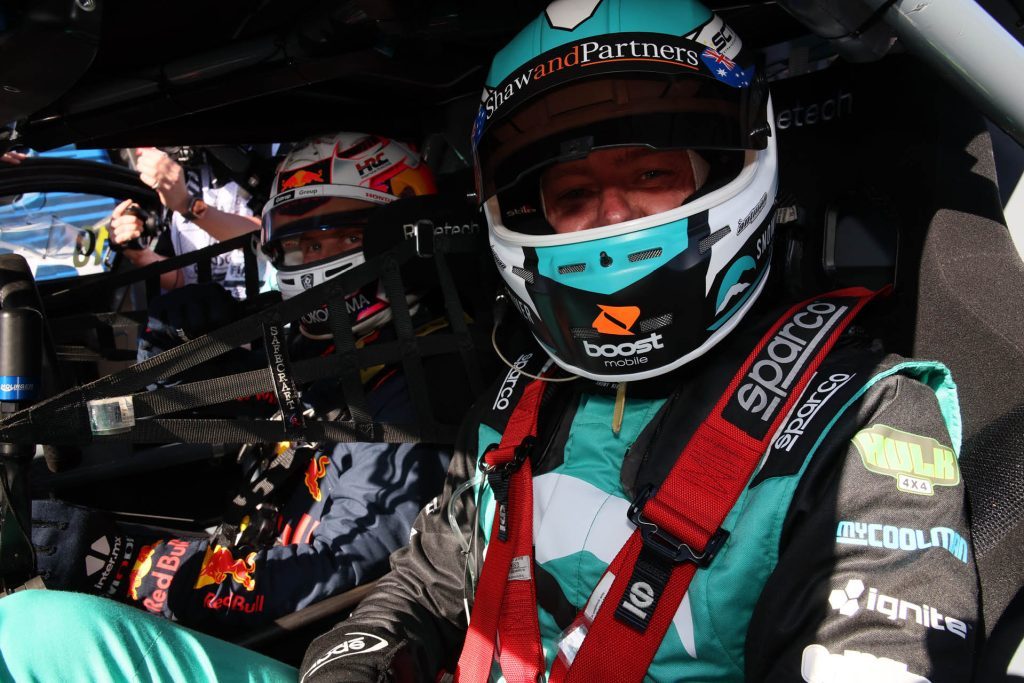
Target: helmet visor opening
[
  {"x": 550, "y": 191},
  {"x": 286, "y": 238},
  {"x": 652, "y": 110}
]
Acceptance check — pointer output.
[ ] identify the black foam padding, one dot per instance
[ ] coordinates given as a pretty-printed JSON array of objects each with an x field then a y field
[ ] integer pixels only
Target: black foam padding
[
  {"x": 894, "y": 137},
  {"x": 993, "y": 466}
]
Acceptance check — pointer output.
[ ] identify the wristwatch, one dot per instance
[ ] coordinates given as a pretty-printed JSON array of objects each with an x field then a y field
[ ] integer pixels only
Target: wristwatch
[{"x": 195, "y": 209}]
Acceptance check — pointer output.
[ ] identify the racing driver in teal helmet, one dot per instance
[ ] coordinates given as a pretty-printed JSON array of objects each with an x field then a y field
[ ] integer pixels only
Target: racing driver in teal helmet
[
  {"x": 685, "y": 480},
  {"x": 730, "y": 489}
]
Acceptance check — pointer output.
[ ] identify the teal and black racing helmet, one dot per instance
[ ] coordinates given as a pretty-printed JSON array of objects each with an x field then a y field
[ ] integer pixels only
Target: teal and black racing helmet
[{"x": 636, "y": 298}]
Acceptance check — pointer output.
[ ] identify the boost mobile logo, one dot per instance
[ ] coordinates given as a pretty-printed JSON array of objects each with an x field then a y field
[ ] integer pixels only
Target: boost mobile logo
[
  {"x": 628, "y": 349},
  {"x": 355, "y": 643},
  {"x": 918, "y": 463}
]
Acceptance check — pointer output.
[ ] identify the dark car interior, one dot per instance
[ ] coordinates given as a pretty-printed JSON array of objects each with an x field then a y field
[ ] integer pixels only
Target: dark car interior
[{"x": 887, "y": 175}]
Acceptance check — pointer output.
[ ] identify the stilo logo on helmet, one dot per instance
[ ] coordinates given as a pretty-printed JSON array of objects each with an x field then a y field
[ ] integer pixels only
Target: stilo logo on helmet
[
  {"x": 313, "y": 227},
  {"x": 668, "y": 79}
]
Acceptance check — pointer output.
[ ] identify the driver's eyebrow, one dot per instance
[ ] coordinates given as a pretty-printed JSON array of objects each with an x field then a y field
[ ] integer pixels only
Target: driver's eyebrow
[{"x": 620, "y": 156}]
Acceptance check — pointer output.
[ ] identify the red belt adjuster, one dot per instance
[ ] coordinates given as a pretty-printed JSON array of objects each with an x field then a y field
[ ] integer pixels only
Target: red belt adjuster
[
  {"x": 666, "y": 545},
  {"x": 660, "y": 553}
]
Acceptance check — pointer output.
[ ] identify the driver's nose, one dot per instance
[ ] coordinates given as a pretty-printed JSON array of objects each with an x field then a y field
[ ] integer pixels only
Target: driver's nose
[{"x": 614, "y": 207}]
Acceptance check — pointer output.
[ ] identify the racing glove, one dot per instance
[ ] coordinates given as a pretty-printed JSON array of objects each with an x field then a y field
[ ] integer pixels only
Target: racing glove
[{"x": 80, "y": 549}]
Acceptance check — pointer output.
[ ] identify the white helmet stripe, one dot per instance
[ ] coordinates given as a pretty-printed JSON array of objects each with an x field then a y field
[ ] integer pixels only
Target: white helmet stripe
[{"x": 349, "y": 191}]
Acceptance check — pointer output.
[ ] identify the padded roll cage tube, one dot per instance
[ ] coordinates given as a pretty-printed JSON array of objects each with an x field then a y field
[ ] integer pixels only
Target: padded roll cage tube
[
  {"x": 65, "y": 418},
  {"x": 971, "y": 50}
]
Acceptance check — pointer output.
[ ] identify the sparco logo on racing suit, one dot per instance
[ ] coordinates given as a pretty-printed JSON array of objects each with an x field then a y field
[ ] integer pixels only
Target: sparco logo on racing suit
[
  {"x": 817, "y": 397},
  {"x": 918, "y": 463},
  {"x": 508, "y": 386},
  {"x": 777, "y": 367},
  {"x": 354, "y": 644},
  {"x": 847, "y": 602}
]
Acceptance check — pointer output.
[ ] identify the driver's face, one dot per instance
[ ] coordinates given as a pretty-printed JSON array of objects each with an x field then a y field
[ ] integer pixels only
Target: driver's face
[
  {"x": 326, "y": 243},
  {"x": 321, "y": 244},
  {"x": 615, "y": 185}
]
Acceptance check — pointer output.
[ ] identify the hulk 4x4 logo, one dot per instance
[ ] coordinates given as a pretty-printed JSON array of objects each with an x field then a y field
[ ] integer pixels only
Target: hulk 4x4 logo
[{"x": 918, "y": 463}]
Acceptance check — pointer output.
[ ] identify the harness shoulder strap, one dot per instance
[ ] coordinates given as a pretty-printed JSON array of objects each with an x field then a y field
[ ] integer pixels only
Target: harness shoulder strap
[
  {"x": 678, "y": 527},
  {"x": 506, "y": 596}
]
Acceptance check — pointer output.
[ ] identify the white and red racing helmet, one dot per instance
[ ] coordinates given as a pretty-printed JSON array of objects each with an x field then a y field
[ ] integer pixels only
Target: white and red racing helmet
[{"x": 329, "y": 186}]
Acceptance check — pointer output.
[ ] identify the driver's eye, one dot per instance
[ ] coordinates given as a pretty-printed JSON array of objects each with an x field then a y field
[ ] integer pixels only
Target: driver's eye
[
  {"x": 655, "y": 174},
  {"x": 573, "y": 194}
]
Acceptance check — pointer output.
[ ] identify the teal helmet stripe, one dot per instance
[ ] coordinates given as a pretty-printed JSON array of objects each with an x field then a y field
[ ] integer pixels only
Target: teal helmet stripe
[
  {"x": 556, "y": 263},
  {"x": 558, "y": 26},
  {"x": 743, "y": 299},
  {"x": 732, "y": 279}
]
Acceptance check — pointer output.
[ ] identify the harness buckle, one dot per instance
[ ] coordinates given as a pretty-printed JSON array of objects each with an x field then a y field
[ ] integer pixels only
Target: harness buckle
[
  {"x": 499, "y": 477},
  {"x": 666, "y": 545},
  {"x": 510, "y": 467}
]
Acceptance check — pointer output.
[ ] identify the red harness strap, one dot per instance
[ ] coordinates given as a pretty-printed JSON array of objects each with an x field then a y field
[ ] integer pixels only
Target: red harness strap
[
  {"x": 506, "y": 596},
  {"x": 654, "y": 568}
]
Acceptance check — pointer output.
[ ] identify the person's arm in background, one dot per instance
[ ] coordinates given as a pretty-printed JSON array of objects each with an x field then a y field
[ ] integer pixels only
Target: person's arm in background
[
  {"x": 371, "y": 493},
  {"x": 167, "y": 177},
  {"x": 412, "y": 624},
  {"x": 13, "y": 157},
  {"x": 125, "y": 227}
]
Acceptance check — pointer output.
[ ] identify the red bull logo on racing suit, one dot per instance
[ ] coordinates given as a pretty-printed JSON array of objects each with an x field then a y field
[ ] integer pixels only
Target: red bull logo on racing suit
[{"x": 219, "y": 564}]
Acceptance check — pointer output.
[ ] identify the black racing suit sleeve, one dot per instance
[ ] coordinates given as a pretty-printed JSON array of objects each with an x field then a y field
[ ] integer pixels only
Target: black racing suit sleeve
[
  {"x": 865, "y": 589},
  {"x": 370, "y": 495},
  {"x": 369, "y": 509},
  {"x": 413, "y": 624}
]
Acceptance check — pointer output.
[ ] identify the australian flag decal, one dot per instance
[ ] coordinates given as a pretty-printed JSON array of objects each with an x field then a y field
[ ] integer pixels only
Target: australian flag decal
[{"x": 726, "y": 70}]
